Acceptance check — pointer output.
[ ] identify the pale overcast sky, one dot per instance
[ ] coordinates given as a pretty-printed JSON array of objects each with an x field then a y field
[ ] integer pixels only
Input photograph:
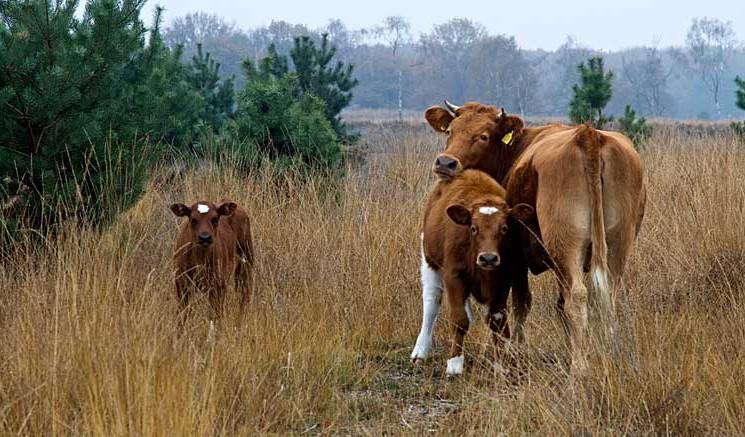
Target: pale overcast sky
[{"x": 607, "y": 24}]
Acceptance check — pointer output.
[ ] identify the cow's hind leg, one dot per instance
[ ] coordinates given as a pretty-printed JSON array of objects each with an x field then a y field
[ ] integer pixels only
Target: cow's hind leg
[
  {"x": 573, "y": 304},
  {"x": 431, "y": 301},
  {"x": 244, "y": 282},
  {"x": 522, "y": 300},
  {"x": 620, "y": 242}
]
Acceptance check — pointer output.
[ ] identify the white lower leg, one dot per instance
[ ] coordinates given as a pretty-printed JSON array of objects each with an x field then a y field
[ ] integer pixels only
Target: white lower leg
[
  {"x": 431, "y": 301},
  {"x": 455, "y": 365},
  {"x": 469, "y": 311}
]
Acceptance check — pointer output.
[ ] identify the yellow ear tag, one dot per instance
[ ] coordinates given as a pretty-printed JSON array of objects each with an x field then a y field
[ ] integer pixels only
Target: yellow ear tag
[{"x": 507, "y": 139}]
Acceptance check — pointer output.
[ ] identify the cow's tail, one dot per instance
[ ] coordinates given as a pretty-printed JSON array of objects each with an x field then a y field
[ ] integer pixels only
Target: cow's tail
[{"x": 591, "y": 141}]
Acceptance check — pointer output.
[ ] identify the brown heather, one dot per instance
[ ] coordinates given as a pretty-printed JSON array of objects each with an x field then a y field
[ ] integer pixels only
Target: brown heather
[{"x": 90, "y": 344}]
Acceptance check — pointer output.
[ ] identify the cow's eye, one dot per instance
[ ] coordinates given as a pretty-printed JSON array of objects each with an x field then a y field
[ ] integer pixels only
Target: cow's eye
[
  {"x": 504, "y": 229},
  {"x": 194, "y": 221},
  {"x": 214, "y": 221},
  {"x": 484, "y": 137},
  {"x": 474, "y": 230},
  {"x": 448, "y": 132}
]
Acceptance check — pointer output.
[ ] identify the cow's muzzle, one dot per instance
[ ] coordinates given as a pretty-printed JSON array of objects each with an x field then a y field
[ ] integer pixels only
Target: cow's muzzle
[
  {"x": 204, "y": 240},
  {"x": 446, "y": 167},
  {"x": 488, "y": 260}
]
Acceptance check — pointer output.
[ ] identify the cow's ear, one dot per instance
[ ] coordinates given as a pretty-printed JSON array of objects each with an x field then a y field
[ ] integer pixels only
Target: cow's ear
[
  {"x": 438, "y": 118},
  {"x": 180, "y": 210},
  {"x": 459, "y": 214},
  {"x": 510, "y": 127},
  {"x": 521, "y": 211},
  {"x": 226, "y": 208}
]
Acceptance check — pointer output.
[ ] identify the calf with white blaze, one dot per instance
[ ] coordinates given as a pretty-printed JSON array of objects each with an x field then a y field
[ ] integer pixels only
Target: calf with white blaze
[
  {"x": 213, "y": 246},
  {"x": 464, "y": 239}
]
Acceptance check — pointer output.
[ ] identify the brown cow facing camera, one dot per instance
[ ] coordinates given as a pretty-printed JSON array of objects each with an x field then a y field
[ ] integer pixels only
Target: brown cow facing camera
[
  {"x": 214, "y": 245},
  {"x": 464, "y": 242},
  {"x": 588, "y": 191}
]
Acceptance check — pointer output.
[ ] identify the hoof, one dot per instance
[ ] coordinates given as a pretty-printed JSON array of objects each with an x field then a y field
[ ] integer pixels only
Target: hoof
[{"x": 455, "y": 366}]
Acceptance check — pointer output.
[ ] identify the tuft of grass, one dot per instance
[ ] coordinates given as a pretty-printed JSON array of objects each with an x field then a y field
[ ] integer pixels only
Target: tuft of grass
[{"x": 91, "y": 345}]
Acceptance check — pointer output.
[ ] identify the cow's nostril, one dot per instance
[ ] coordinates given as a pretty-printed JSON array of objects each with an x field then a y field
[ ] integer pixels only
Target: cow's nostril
[
  {"x": 488, "y": 258},
  {"x": 205, "y": 238},
  {"x": 443, "y": 162}
]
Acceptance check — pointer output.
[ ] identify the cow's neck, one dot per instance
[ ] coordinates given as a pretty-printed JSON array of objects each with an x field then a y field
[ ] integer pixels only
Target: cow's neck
[{"x": 506, "y": 157}]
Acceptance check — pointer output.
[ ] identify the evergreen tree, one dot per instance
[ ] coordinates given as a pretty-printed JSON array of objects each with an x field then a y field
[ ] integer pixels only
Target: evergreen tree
[
  {"x": 738, "y": 127},
  {"x": 592, "y": 94},
  {"x": 636, "y": 128},
  {"x": 216, "y": 95},
  {"x": 285, "y": 124},
  {"x": 740, "y": 93},
  {"x": 84, "y": 103},
  {"x": 316, "y": 75}
]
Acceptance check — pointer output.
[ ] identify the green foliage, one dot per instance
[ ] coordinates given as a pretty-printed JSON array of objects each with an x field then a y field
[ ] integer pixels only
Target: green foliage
[
  {"x": 85, "y": 104},
  {"x": 293, "y": 116},
  {"x": 332, "y": 84},
  {"x": 284, "y": 123},
  {"x": 636, "y": 128},
  {"x": 592, "y": 94},
  {"x": 738, "y": 127},
  {"x": 314, "y": 73},
  {"x": 217, "y": 96}
]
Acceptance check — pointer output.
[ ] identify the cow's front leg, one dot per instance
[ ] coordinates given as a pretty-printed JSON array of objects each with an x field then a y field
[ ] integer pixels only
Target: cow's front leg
[
  {"x": 457, "y": 296},
  {"x": 431, "y": 301}
]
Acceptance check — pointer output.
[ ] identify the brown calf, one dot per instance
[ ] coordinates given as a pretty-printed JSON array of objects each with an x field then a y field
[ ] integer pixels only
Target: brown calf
[
  {"x": 586, "y": 187},
  {"x": 213, "y": 245},
  {"x": 466, "y": 222}
]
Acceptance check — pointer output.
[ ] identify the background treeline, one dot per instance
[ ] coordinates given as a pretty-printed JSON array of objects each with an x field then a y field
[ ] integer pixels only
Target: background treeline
[{"x": 460, "y": 60}]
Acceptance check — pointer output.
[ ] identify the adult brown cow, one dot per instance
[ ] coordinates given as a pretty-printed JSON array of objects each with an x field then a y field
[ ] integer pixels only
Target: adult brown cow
[
  {"x": 463, "y": 240},
  {"x": 213, "y": 246},
  {"x": 586, "y": 186}
]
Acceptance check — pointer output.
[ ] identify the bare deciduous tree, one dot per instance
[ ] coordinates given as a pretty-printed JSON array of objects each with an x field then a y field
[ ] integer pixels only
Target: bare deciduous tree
[
  {"x": 648, "y": 78},
  {"x": 711, "y": 43},
  {"x": 396, "y": 31},
  {"x": 452, "y": 44}
]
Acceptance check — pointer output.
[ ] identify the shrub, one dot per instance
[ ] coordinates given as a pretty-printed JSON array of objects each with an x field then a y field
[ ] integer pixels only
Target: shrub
[
  {"x": 285, "y": 124},
  {"x": 636, "y": 128}
]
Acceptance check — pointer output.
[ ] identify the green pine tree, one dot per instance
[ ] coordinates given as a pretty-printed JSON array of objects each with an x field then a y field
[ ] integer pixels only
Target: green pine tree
[
  {"x": 217, "y": 96},
  {"x": 286, "y": 124},
  {"x": 738, "y": 127},
  {"x": 636, "y": 128},
  {"x": 592, "y": 94},
  {"x": 85, "y": 102},
  {"x": 317, "y": 75}
]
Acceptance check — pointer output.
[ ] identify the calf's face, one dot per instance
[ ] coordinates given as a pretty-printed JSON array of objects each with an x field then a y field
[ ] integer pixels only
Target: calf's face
[
  {"x": 488, "y": 225},
  {"x": 204, "y": 218}
]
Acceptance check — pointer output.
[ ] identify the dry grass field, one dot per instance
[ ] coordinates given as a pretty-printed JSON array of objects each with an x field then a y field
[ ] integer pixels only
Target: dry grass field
[{"x": 90, "y": 343}]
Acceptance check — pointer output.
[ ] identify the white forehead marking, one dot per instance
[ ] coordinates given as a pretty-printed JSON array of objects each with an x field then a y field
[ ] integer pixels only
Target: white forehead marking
[
  {"x": 488, "y": 210},
  {"x": 203, "y": 209}
]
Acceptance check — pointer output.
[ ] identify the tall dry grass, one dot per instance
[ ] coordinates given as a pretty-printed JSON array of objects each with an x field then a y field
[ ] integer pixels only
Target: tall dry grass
[{"x": 90, "y": 343}]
